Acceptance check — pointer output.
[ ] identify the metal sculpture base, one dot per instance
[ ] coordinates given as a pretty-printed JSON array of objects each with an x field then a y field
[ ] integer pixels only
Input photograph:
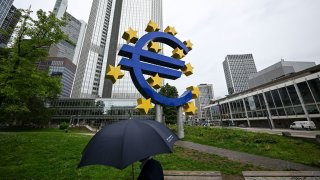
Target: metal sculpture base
[
  {"x": 180, "y": 122},
  {"x": 158, "y": 113}
]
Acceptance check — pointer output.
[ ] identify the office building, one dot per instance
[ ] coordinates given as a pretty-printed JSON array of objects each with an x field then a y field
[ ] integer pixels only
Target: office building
[
  {"x": 276, "y": 104},
  {"x": 275, "y": 71},
  {"x": 8, "y": 23},
  {"x": 205, "y": 96},
  {"x": 237, "y": 69},
  {"x": 5, "y": 6},
  {"x": 95, "y": 112},
  {"x": 63, "y": 67},
  {"x": 107, "y": 22},
  {"x": 74, "y": 29}
]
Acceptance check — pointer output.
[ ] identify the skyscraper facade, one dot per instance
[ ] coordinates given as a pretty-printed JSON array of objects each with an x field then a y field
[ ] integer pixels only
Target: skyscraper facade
[
  {"x": 74, "y": 29},
  {"x": 8, "y": 25},
  {"x": 107, "y": 22},
  {"x": 206, "y": 94},
  {"x": 5, "y": 6},
  {"x": 62, "y": 67},
  {"x": 237, "y": 69}
]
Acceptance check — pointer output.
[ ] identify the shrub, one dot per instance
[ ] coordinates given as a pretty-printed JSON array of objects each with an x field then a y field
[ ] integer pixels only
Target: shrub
[{"x": 63, "y": 126}]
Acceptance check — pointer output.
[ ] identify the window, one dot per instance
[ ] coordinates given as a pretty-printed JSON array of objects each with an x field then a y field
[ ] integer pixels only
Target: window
[
  {"x": 293, "y": 95},
  {"x": 269, "y": 99},
  {"x": 263, "y": 105},
  {"x": 315, "y": 88},
  {"x": 281, "y": 112},
  {"x": 312, "y": 109},
  {"x": 285, "y": 97},
  {"x": 305, "y": 93},
  {"x": 256, "y": 102},
  {"x": 273, "y": 112},
  {"x": 298, "y": 110},
  {"x": 290, "y": 111},
  {"x": 276, "y": 98}
]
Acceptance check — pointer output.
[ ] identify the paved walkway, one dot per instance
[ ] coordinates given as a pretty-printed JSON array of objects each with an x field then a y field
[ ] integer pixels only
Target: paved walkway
[
  {"x": 294, "y": 133},
  {"x": 270, "y": 163}
]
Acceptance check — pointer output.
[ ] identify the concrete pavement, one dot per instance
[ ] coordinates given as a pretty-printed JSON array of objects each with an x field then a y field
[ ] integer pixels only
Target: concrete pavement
[
  {"x": 294, "y": 133},
  {"x": 270, "y": 163}
]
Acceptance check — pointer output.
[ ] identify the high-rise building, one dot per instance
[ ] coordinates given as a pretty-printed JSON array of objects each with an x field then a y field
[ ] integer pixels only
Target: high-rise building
[
  {"x": 237, "y": 69},
  {"x": 63, "y": 67},
  {"x": 278, "y": 70},
  {"x": 107, "y": 22},
  {"x": 60, "y": 8},
  {"x": 5, "y": 6},
  {"x": 8, "y": 24},
  {"x": 74, "y": 29},
  {"x": 206, "y": 94}
]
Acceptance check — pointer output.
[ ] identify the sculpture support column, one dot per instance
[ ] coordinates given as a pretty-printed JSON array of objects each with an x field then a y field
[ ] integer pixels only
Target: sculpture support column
[
  {"x": 158, "y": 113},
  {"x": 180, "y": 122}
]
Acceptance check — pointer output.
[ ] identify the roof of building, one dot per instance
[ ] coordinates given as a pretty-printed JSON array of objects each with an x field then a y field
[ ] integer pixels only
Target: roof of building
[{"x": 296, "y": 75}]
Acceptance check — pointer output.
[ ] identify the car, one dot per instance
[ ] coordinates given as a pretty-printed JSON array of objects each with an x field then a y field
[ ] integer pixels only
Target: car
[{"x": 303, "y": 125}]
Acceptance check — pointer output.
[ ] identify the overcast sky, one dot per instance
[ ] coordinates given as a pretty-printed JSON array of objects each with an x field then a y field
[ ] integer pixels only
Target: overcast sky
[{"x": 269, "y": 29}]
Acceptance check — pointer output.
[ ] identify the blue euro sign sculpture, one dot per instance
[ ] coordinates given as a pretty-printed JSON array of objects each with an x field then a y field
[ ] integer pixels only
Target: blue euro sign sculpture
[{"x": 140, "y": 61}]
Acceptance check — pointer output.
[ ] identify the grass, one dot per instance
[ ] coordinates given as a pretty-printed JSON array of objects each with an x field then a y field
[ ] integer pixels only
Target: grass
[
  {"x": 275, "y": 146},
  {"x": 55, "y": 155}
]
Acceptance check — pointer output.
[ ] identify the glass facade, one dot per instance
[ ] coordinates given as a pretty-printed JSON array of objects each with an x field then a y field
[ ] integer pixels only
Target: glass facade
[
  {"x": 96, "y": 112},
  {"x": 5, "y": 6},
  {"x": 107, "y": 22},
  {"x": 205, "y": 96},
  {"x": 74, "y": 29},
  {"x": 9, "y": 22},
  {"x": 135, "y": 14},
  {"x": 286, "y": 101},
  {"x": 63, "y": 68},
  {"x": 91, "y": 63}
]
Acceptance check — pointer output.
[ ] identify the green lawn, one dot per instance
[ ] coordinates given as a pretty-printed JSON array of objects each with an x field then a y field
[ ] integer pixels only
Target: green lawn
[
  {"x": 286, "y": 148},
  {"x": 55, "y": 155}
]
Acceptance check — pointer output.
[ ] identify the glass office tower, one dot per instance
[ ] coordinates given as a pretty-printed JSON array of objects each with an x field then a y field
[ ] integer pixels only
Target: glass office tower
[
  {"x": 5, "y": 6},
  {"x": 204, "y": 99},
  {"x": 8, "y": 25},
  {"x": 237, "y": 69},
  {"x": 74, "y": 29},
  {"x": 107, "y": 22}
]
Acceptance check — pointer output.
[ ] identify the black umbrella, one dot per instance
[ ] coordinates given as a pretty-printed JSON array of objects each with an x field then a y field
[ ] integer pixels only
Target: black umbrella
[{"x": 121, "y": 144}]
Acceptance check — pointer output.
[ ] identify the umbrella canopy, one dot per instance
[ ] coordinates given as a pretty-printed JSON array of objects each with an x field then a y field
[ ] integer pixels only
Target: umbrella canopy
[{"x": 121, "y": 144}]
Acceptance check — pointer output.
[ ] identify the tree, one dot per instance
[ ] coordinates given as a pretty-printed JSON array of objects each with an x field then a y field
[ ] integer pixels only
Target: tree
[
  {"x": 169, "y": 112},
  {"x": 24, "y": 90}
]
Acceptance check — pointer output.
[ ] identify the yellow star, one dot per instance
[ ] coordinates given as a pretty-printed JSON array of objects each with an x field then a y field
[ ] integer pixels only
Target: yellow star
[
  {"x": 170, "y": 30},
  {"x": 152, "y": 26},
  {"x": 155, "y": 81},
  {"x": 177, "y": 53},
  {"x": 188, "y": 44},
  {"x": 144, "y": 105},
  {"x": 190, "y": 108},
  {"x": 187, "y": 69},
  {"x": 130, "y": 36},
  {"x": 195, "y": 91},
  {"x": 154, "y": 47},
  {"x": 114, "y": 73}
]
